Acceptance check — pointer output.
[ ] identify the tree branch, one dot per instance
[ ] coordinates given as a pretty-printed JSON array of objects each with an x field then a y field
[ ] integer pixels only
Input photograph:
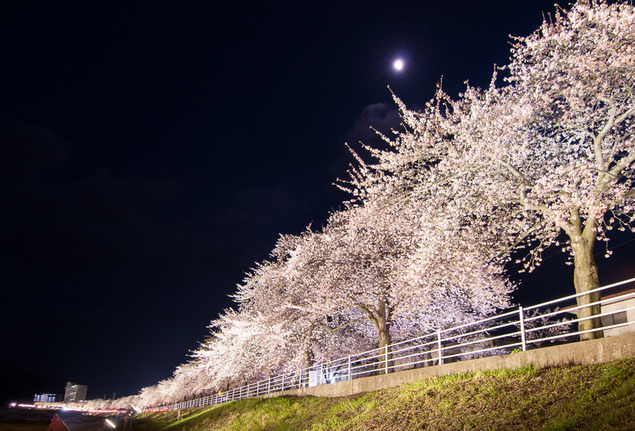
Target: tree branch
[
  {"x": 528, "y": 206},
  {"x": 597, "y": 140},
  {"x": 371, "y": 313},
  {"x": 346, "y": 324}
]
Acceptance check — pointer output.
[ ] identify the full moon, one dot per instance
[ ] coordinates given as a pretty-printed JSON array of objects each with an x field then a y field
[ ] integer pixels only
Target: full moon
[{"x": 398, "y": 65}]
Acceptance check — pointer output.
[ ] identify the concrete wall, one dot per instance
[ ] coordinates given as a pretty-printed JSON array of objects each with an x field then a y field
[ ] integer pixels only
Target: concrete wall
[{"x": 585, "y": 352}]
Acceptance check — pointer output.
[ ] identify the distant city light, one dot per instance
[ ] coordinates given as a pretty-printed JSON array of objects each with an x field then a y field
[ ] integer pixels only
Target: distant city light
[{"x": 398, "y": 65}]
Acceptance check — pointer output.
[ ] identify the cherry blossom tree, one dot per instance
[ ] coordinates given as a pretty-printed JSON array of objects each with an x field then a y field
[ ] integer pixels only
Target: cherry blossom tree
[
  {"x": 558, "y": 141},
  {"x": 149, "y": 396},
  {"x": 548, "y": 153},
  {"x": 380, "y": 259},
  {"x": 241, "y": 348},
  {"x": 311, "y": 334}
]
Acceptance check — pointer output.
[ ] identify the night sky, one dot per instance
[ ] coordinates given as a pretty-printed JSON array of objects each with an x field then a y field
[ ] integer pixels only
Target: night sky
[{"x": 151, "y": 152}]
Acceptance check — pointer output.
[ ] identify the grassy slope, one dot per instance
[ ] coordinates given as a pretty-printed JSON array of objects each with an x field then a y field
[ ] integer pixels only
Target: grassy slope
[{"x": 596, "y": 397}]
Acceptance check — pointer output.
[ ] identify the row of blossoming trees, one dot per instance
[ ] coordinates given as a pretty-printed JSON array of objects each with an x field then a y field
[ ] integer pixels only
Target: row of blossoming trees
[{"x": 543, "y": 157}]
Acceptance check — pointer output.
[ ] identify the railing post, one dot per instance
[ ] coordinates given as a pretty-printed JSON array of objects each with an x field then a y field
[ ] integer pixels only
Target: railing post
[
  {"x": 439, "y": 346},
  {"x": 522, "y": 328},
  {"x": 282, "y": 388},
  {"x": 349, "y": 369},
  {"x": 386, "y": 358},
  {"x": 257, "y": 387},
  {"x": 269, "y": 385}
]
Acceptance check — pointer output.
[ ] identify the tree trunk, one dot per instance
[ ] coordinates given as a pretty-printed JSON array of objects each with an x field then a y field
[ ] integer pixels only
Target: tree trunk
[
  {"x": 380, "y": 317},
  {"x": 585, "y": 278},
  {"x": 384, "y": 334},
  {"x": 383, "y": 325},
  {"x": 307, "y": 347},
  {"x": 381, "y": 320}
]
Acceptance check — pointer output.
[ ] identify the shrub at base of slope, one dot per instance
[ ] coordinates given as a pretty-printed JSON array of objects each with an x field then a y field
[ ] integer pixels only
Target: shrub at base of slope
[{"x": 595, "y": 397}]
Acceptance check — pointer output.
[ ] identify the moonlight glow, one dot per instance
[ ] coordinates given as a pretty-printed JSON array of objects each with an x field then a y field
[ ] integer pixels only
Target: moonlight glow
[{"x": 398, "y": 65}]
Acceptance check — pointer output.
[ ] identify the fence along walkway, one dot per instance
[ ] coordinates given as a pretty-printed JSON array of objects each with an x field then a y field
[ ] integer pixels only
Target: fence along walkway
[{"x": 517, "y": 330}]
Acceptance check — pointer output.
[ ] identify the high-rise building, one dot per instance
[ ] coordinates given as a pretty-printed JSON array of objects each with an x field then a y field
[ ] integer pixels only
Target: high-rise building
[{"x": 75, "y": 392}]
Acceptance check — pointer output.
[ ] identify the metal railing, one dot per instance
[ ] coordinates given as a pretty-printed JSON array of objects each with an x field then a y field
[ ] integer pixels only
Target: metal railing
[{"x": 548, "y": 323}]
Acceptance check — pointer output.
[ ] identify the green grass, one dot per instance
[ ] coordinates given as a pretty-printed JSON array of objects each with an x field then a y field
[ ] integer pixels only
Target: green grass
[{"x": 595, "y": 397}]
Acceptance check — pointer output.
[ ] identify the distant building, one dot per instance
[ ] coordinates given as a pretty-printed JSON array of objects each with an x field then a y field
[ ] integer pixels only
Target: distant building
[
  {"x": 75, "y": 392},
  {"x": 47, "y": 398},
  {"x": 623, "y": 306},
  {"x": 620, "y": 303}
]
